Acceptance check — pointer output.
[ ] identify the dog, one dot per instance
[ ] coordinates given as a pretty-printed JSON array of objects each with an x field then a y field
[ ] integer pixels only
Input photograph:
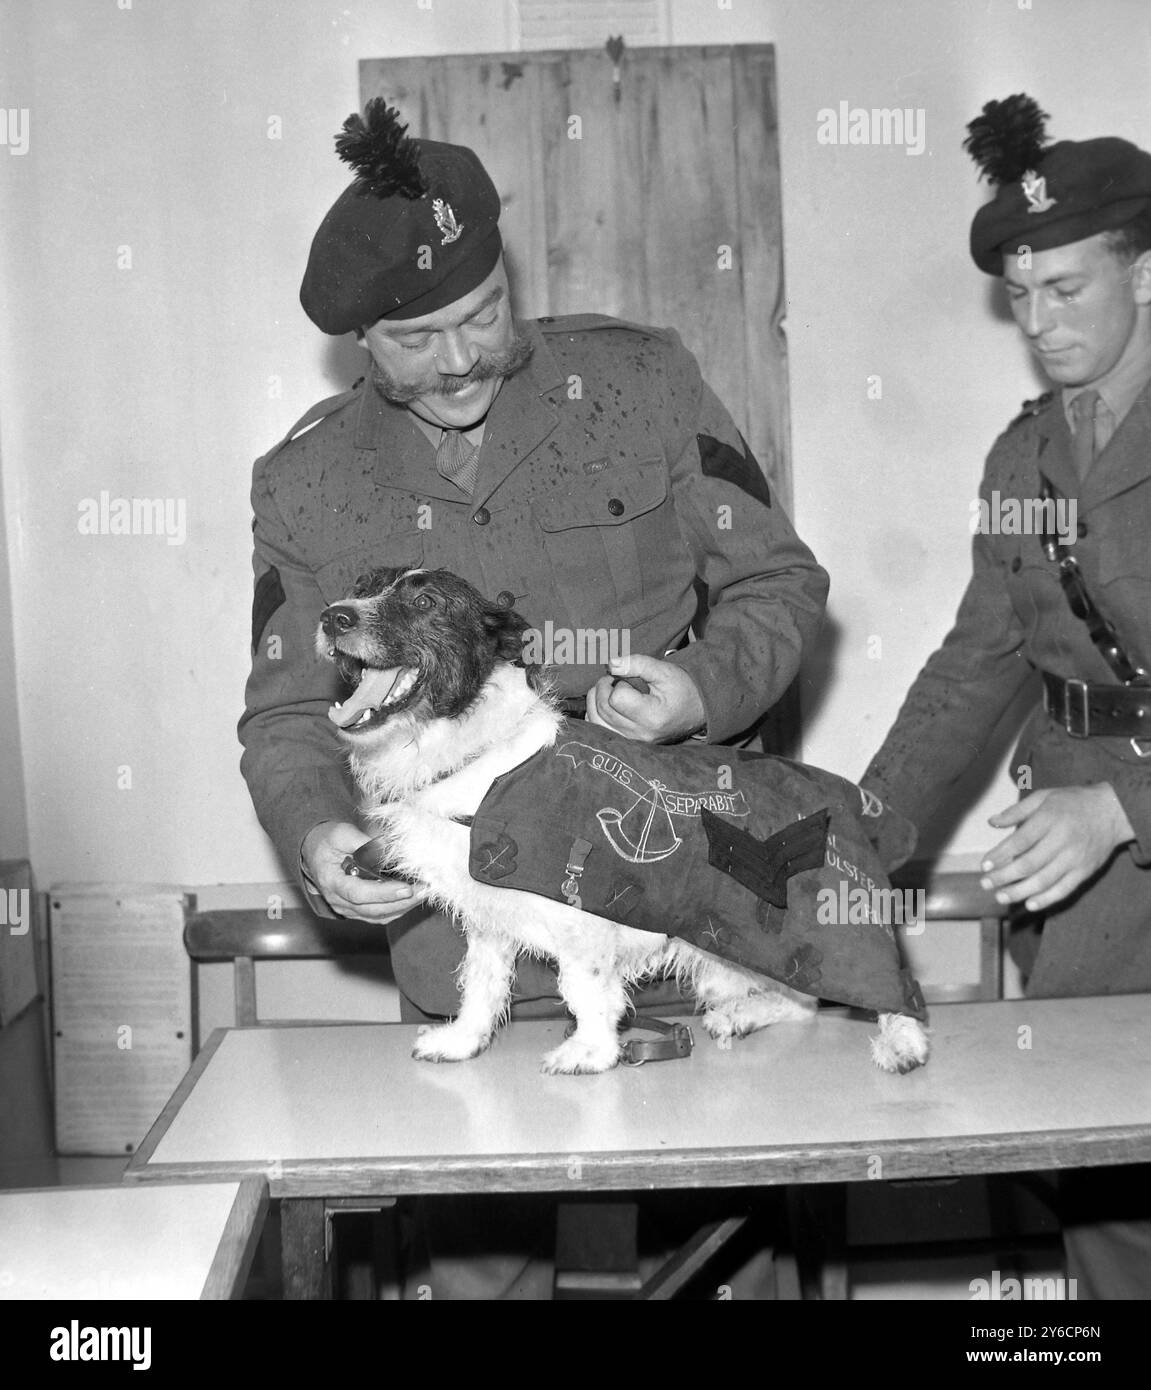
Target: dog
[{"x": 441, "y": 706}]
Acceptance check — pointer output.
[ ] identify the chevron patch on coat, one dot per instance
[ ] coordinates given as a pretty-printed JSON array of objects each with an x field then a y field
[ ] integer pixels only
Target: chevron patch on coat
[
  {"x": 720, "y": 460},
  {"x": 764, "y": 866},
  {"x": 268, "y": 597}
]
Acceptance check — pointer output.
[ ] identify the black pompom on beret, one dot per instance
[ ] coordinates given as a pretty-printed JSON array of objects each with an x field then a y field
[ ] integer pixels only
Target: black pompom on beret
[{"x": 1048, "y": 195}]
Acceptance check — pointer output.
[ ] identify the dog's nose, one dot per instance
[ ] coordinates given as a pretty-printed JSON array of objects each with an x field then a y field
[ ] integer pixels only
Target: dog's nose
[{"x": 338, "y": 620}]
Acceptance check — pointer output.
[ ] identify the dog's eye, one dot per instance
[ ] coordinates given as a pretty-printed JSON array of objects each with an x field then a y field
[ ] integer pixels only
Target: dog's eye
[{"x": 424, "y": 602}]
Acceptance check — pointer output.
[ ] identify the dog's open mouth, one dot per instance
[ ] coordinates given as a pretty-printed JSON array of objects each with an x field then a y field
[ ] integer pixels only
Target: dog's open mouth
[{"x": 379, "y": 694}]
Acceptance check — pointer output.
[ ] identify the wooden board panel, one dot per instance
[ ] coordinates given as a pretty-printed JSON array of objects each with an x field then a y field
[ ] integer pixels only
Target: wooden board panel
[
  {"x": 491, "y": 104},
  {"x": 597, "y": 246},
  {"x": 121, "y": 1011},
  {"x": 686, "y": 188},
  {"x": 760, "y": 242}
]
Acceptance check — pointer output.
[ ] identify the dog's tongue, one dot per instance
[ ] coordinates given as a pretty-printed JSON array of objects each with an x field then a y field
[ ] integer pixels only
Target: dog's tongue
[{"x": 373, "y": 689}]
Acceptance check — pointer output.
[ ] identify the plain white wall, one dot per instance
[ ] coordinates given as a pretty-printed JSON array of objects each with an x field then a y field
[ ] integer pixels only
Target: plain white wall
[{"x": 149, "y": 131}]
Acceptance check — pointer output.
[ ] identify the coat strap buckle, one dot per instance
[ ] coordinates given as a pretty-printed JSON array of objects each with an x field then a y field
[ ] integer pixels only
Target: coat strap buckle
[{"x": 1076, "y": 719}]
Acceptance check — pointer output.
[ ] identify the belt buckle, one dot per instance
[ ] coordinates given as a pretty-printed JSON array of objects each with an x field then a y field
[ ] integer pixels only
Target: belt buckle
[{"x": 1072, "y": 708}]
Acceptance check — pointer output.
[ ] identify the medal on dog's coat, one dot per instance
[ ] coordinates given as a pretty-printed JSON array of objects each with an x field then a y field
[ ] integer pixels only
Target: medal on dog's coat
[{"x": 741, "y": 854}]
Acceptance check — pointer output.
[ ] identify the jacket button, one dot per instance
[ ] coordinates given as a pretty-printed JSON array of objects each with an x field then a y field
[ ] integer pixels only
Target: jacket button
[
  {"x": 616, "y": 507},
  {"x": 482, "y": 517},
  {"x": 1016, "y": 565},
  {"x": 1081, "y": 529},
  {"x": 504, "y": 599}
]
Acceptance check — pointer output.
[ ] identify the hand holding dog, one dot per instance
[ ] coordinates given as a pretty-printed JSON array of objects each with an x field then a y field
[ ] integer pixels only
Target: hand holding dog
[
  {"x": 370, "y": 900},
  {"x": 1062, "y": 837},
  {"x": 671, "y": 709}
]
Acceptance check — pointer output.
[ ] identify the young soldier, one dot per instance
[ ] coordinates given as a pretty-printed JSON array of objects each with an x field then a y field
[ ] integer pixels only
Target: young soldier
[{"x": 1069, "y": 231}]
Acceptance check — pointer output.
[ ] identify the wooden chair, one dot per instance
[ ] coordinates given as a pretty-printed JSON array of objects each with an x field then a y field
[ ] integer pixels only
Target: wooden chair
[
  {"x": 246, "y": 935},
  {"x": 957, "y": 897}
]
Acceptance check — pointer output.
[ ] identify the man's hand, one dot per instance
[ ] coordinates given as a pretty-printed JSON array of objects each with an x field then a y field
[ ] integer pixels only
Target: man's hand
[
  {"x": 370, "y": 900},
  {"x": 1061, "y": 838},
  {"x": 671, "y": 709}
]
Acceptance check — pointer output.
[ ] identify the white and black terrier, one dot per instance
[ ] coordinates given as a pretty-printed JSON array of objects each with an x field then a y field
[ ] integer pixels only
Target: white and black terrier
[{"x": 442, "y": 707}]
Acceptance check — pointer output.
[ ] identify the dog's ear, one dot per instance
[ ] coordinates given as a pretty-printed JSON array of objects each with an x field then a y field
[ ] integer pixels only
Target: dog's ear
[
  {"x": 506, "y": 628},
  {"x": 375, "y": 582}
]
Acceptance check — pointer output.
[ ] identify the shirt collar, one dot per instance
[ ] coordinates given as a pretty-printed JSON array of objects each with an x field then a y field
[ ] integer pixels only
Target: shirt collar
[
  {"x": 434, "y": 433},
  {"x": 1119, "y": 389}
]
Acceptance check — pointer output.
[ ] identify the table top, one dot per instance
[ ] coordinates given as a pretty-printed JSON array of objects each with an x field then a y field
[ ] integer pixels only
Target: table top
[
  {"x": 168, "y": 1241},
  {"x": 344, "y": 1110}
]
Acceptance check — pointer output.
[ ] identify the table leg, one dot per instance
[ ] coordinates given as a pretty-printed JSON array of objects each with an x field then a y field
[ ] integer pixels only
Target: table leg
[{"x": 304, "y": 1259}]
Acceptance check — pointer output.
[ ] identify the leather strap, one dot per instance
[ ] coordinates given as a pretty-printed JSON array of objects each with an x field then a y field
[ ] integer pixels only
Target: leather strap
[
  {"x": 575, "y": 706},
  {"x": 1087, "y": 710},
  {"x": 1100, "y": 629},
  {"x": 676, "y": 1042}
]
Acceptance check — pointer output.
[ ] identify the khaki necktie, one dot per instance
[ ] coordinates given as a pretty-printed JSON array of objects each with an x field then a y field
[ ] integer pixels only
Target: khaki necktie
[
  {"x": 457, "y": 460},
  {"x": 1083, "y": 409}
]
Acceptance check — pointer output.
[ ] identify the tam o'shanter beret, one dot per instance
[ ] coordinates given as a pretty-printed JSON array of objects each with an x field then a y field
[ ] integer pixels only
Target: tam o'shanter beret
[
  {"x": 417, "y": 230},
  {"x": 1048, "y": 195}
]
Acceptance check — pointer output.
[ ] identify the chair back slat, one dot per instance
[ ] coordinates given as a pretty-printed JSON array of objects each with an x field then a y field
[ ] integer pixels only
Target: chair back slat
[
  {"x": 296, "y": 935},
  {"x": 958, "y": 897}
]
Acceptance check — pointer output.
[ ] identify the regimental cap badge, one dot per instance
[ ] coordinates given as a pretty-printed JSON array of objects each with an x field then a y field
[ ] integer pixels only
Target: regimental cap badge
[
  {"x": 450, "y": 229},
  {"x": 1035, "y": 191}
]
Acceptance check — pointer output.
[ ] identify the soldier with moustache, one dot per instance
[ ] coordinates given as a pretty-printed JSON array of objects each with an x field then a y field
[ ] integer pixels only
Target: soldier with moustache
[
  {"x": 577, "y": 468},
  {"x": 1069, "y": 232}
]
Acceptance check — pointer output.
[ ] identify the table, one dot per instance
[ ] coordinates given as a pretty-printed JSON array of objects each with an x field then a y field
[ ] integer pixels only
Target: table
[
  {"x": 342, "y": 1113},
  {"x": 186, "y": 1241}
]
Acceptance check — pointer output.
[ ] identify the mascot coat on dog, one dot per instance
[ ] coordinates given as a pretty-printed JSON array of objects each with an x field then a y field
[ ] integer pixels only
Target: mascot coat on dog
[
  {"x": 616, "y": 859},
  {"x": 740, "y": 854}
]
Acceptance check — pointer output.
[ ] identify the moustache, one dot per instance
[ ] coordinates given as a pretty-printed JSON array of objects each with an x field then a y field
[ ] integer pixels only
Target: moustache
[{"x": 487, "y": 367}]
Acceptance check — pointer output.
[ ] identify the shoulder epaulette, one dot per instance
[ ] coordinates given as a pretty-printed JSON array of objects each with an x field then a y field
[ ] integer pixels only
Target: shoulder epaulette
[
  {"x": 311, "y": 417},
  {"x": 1030, "y": 408},
  {"x": 587, "y": 323}
]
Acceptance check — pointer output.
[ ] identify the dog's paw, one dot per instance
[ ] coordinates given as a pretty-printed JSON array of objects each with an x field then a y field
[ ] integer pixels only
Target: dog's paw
[
  {"x": 719, "y": 1023},
  {"x": 736, "y": 1018},
  {"x": 577, "y": 1055},
  {"x": 901, "y": 1044},
  {"x": 446, "y": 1042}
]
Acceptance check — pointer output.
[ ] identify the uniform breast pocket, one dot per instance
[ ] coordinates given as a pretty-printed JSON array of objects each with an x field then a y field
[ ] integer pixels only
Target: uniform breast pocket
[
  {"x": 610, "y": 527},
  {"x": 402, "y": 550},
  {"x": 1032, "y": 581}
]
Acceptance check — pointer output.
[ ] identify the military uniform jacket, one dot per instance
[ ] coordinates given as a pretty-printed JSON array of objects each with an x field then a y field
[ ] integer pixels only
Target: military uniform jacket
[
  {"x": 614, "y": 492},
  {"x": 1014, "y": 619},
  {"x": 770, "y": 865}
]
